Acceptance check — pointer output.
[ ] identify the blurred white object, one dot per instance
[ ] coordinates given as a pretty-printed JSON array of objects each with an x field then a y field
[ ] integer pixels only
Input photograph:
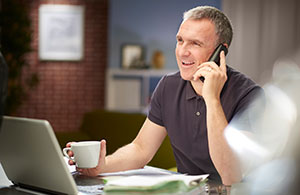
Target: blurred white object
[{"x": 267, "y": 146}]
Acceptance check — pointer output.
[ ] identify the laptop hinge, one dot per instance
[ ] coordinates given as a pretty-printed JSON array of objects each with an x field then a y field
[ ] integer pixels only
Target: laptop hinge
[{"x": 34, "y": 189}]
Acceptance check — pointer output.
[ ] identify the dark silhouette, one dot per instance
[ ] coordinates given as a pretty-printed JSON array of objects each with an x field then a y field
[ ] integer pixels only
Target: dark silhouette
[{"x": 3, "y": 85}]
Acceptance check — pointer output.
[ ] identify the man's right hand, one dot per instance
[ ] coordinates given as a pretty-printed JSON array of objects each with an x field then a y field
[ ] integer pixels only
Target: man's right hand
[
  {"x": 70, "y": 153},
  {"x": 101, "y": 162}
]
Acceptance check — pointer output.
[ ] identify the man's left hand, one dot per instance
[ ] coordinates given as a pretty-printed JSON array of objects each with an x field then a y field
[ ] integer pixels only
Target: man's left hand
[{"x": 215, "y": 78}]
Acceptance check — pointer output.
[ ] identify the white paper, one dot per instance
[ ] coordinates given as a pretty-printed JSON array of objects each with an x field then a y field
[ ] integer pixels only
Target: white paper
[
  {"x": 147, "y": 170},
  {"x": 4, "y": 181}
]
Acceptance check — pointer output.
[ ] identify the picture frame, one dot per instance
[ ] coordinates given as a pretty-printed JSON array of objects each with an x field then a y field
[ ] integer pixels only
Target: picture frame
[
  {"x": 132, "y": 56},
  {"x": 61, "y": 32}
]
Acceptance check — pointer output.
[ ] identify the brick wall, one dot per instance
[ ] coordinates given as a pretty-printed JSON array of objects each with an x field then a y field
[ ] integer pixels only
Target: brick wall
[{"x": 69, "y": 89}]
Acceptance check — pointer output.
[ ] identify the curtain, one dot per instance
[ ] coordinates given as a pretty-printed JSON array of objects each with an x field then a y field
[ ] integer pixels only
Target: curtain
[{"x": 264, "y": 30}]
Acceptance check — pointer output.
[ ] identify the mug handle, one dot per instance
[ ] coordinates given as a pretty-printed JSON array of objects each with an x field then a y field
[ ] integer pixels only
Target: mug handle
[{"x": 65, "y": 152}]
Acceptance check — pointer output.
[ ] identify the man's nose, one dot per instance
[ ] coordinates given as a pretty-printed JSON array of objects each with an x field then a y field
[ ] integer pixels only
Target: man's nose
[{"x": 184, "y": 51}]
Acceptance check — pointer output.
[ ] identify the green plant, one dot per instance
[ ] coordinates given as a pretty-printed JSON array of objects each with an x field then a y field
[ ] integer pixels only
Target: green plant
[{"x": 15, "y": 44}]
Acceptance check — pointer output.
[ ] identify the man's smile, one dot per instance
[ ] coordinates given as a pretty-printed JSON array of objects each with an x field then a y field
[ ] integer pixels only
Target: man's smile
[{"x": 187, "y": 63}]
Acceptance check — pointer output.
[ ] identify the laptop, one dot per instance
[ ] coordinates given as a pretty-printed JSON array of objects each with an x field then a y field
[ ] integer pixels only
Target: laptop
[{"x": 32, "y": 159}]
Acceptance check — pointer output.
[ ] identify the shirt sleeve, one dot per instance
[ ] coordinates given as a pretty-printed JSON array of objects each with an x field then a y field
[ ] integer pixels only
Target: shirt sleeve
[
  {"x": 156, "y": 103},
  {"x": 249, "y": 109}
]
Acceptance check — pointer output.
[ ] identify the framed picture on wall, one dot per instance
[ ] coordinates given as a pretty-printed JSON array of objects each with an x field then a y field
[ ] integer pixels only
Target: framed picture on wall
[
  {"x": 132, "y": 56},
  {"x": 61, "y": 29}
]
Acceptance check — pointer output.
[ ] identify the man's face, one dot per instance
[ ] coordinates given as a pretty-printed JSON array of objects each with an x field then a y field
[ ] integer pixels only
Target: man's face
[{"x": 196, "y": 40}]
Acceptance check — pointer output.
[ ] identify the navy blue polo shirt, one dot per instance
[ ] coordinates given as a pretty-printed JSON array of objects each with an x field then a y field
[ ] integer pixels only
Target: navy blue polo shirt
[{"x": 176, "y": 106}]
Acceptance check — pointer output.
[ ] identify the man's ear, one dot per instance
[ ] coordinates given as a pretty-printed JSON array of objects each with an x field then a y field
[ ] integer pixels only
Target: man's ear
[{"x": 226, "y": 45}]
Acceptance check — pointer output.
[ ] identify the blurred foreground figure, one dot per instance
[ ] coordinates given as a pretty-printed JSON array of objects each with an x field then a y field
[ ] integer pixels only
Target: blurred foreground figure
[
  {"x": 3, "y": 85},
  {"x": 269, "y": 147}
]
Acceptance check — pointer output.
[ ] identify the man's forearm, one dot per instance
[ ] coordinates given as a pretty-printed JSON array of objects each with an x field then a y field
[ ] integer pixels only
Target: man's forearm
[
  {"x": 125, "y": 158},
  {"x": 138, "y": 153},
  {"x": 221, "y": 154}
]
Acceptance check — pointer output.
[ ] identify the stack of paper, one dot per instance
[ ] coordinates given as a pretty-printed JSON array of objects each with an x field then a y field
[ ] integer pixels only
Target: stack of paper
[{"x": 153, "y": 180}]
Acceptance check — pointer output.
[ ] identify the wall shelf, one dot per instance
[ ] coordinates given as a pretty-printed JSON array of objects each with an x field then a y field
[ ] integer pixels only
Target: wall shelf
[{"x": 131, "y": 90}]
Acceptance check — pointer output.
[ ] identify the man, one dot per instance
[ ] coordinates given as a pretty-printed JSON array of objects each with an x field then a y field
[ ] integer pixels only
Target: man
[{"x": 193, "y": 113}]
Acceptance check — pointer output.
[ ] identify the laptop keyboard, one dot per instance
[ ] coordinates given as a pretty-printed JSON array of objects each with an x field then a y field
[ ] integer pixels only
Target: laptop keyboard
[{"x": 88, "y": 185}]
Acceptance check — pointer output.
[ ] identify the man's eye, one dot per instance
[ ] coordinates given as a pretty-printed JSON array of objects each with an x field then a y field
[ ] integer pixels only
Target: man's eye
[
  {"x": 196, "y": 43},
  {"x": 179, "y": 40}
]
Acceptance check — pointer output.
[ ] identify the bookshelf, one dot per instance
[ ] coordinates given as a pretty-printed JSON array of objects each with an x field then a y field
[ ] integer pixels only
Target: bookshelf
[{"x": 131, "y": 90}]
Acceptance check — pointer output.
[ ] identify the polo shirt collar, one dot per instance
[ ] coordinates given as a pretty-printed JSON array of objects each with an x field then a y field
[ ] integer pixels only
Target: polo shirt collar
[{"x": 190, "y": 92}]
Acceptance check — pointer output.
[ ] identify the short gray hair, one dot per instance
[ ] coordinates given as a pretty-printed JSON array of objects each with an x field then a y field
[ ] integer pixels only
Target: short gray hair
[{"x": 222, "y": 23}]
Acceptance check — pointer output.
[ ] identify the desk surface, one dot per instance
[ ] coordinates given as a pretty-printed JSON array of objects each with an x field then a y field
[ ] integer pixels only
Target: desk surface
[{"x": 7, "y": 189}]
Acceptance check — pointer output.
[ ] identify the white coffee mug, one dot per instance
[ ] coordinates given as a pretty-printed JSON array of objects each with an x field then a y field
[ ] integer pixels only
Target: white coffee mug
[{"x": 86, "y": 153}]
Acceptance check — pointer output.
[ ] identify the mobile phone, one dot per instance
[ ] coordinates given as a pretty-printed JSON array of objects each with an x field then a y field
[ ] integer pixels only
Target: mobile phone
[{"x": 215, "y": 56}]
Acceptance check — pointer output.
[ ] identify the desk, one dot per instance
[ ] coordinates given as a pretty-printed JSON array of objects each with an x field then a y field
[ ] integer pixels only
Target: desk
[
  {"x": 210, "y": 188},
  {"x": 215, "y": 190}
]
